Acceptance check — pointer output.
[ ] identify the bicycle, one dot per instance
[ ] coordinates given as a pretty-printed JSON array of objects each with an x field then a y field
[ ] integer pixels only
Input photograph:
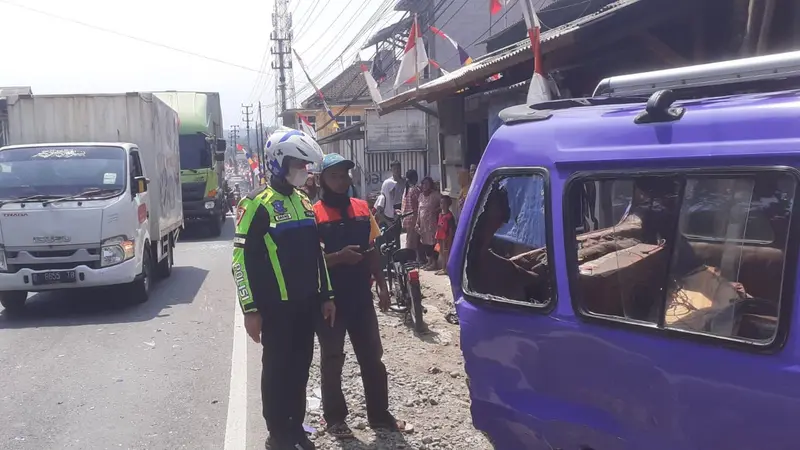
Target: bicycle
[{"x": 401, "y": 265}]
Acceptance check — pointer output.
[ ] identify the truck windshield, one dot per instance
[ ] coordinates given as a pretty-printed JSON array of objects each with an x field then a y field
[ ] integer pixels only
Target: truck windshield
[
  {"x": 60, "y": 171},
  {"x": 194, "y": 154}
]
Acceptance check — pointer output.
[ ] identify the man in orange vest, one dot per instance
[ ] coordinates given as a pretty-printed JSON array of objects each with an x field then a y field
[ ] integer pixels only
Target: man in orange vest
[{"x": 347, "y": 231}]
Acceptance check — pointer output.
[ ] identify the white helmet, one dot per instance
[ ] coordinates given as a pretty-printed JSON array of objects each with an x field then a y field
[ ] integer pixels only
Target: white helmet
[{"x": 288, "y": 142}]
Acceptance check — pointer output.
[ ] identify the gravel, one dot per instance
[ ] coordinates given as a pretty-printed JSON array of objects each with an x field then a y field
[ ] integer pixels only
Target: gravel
[{"x": 427, "y": 385}]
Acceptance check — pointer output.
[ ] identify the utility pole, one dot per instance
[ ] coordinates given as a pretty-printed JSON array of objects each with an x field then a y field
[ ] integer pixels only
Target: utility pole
[
  {"x": 282, "y": 36},
  {"x": 235, "y": 131},
  {"x": 246, "y": 112}
]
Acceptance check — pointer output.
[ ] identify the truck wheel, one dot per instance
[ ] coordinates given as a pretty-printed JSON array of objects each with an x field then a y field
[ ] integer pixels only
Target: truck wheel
[
  {"x": 216, "y": 227},
  {"x": 140, "y": 290},
  {"x": 13, "y": 301},
  {"x": 165, "y": 266}
]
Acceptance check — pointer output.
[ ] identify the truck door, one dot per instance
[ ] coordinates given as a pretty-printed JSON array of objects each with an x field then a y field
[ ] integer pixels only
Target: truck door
[{"x": 140, "y": 200}]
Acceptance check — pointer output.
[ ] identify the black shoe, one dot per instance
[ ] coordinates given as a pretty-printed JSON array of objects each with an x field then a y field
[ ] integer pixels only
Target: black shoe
[
  {"x": 274, "y": 444},
  {"x": 306, "y": 444}
]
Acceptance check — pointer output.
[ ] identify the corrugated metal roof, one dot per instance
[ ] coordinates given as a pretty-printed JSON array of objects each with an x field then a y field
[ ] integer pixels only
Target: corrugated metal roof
[{"x": 494, "y": 62}]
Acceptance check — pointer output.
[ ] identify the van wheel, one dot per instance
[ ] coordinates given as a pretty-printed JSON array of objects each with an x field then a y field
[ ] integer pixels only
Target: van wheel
[
  {"x": 13, "y": 301},
  {"x": 165, "y": 266},
  {"x": 140, "y": 291}
]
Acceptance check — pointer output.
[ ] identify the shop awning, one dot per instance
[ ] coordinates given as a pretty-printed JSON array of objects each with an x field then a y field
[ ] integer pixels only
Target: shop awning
[
  {"x": 354, "y": 131},
  {"x": 498, "y": 61}
]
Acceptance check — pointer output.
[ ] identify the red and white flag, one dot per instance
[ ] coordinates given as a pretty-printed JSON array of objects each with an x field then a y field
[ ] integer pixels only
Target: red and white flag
[
  {"x": 306, "y": 126},
  {"x": 495, "y": 6},
  {"x": 539, "y": 90},
  {"x": 415, "y": 58},
  {"x": 372, "y": 85}
]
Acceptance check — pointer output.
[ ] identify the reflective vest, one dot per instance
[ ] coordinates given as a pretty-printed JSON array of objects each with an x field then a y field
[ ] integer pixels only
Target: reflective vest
[
  {"x": 337, "y": 232},
  {"x": 290, "y": 244}
]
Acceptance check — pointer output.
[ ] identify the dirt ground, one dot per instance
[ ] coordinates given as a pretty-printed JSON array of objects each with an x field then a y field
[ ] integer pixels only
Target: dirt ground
[{"x": 427, "y": 385}]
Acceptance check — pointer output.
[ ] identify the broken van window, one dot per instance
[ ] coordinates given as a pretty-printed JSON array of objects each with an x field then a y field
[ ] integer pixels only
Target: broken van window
[
  {"x": 699, "y": 253},
  {"x": 507, "y": 254}
]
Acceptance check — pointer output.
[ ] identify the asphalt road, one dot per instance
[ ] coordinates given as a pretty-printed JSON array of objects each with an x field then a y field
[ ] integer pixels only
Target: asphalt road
[{"x": 87, "y": 371}]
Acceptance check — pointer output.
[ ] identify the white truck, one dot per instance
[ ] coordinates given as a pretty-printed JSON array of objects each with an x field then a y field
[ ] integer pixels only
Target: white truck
[{"x": 90, "y": 194}]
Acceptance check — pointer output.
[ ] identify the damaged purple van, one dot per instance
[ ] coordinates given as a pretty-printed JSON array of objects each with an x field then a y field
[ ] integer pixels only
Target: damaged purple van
[{"x": 625, "y": 266}]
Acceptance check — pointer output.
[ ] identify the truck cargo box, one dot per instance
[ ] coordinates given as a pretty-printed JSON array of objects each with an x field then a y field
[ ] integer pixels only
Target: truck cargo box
[{"x": 138, "y": 118}]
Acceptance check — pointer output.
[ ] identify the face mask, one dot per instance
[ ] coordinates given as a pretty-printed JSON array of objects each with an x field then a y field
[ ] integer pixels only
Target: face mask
[{"x": 297, "y": 177}]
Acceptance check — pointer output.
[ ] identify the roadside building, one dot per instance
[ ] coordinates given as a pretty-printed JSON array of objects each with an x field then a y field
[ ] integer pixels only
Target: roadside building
[{"x": 582, "y": 43}]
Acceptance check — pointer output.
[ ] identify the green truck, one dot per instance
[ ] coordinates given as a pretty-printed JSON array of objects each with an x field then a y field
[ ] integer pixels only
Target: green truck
[{"x": 202, "y": 151}]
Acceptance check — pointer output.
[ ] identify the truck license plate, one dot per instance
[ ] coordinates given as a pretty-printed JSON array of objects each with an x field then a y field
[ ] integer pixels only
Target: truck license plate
[{"x": 62, "y": 276}]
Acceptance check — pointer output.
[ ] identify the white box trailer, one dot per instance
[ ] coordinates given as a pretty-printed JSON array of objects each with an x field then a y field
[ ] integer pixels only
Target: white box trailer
[{"x": 90, "y": 193}]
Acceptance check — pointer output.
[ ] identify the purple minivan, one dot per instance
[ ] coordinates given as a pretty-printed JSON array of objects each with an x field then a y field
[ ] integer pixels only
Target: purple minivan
[{"x": 625, "y": 266}]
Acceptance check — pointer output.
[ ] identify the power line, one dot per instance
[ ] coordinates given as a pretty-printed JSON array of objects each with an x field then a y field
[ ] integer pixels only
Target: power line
[
  {"x": 508, "y": 10},
  {"x": 302, "y": 26},
  {"x": 367, "y": 27},
  {"x": 454, "y": 14},
  {"x": 321, "y": 37},
  {"x": 132, "y": 37}
]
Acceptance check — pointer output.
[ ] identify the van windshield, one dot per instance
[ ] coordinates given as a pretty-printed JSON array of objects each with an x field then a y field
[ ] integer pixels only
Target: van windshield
[{"x": 60, "y": 171}]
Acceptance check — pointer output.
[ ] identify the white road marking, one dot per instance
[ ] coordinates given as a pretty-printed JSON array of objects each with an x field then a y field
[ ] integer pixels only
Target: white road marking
[{"x": 236, "y": 427}]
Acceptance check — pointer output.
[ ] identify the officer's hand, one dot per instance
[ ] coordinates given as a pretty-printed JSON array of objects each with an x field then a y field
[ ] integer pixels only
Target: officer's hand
[
  {"x": 351, "y": 255},
  {"x": 329, "y": 312},
  {"x": 252, "y": 323}
]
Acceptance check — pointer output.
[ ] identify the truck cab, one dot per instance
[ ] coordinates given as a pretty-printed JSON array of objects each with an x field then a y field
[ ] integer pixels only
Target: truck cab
[
  {"x": 625, "y": 269},
  {"x": 72, "y": 215},
  {"x": 202, "y": 151},
  {"x": 79, "y": 209}
]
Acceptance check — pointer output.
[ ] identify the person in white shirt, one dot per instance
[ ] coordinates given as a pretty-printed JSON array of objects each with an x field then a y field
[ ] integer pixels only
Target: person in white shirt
[{"x": 392, "y": 191}]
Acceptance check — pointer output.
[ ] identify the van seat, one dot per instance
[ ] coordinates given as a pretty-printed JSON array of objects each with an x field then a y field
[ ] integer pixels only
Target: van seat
[{"x": 761, "y": 269}]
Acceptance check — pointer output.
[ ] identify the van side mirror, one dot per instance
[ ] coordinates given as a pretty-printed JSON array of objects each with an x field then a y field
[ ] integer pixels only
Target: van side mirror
[{"x": 140, "y": 185}]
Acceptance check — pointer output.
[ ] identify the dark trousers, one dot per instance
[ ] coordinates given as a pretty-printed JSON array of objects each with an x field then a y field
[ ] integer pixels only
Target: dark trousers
[
  {"x": 359, "y": 321},
  {"x": 287, "y": 337}
]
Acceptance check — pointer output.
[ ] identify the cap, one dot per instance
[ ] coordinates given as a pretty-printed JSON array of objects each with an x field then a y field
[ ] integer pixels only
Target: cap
[
  {"x": 394, "y": 163},
  {"x": 334, "y": 159}
]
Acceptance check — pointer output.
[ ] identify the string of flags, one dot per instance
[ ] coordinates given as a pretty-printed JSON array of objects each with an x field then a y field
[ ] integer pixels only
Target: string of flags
[
  {"x": 319, "y": 92},
  {"x": 414, "y": 59},
  {"x": 252, "y": 161},
  {"x": 463, "y": 56},
  {"x": 306, "y": 126}
]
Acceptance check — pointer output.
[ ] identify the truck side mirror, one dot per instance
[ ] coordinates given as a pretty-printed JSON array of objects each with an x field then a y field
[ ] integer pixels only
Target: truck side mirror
[
  {"x": 140, "y": 185},
  {"x": 219, "y": 154}
]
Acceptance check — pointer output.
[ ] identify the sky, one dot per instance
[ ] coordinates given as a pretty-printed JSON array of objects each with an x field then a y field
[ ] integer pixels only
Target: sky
[{"x": 56, "y": 56}]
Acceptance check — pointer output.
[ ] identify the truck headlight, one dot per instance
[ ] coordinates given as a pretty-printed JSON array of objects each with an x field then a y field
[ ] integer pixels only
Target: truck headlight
[
  {"x": 209, "y": 205},
  {"x": 3, "y": 263},
  {"x": 116, "y": 250}
]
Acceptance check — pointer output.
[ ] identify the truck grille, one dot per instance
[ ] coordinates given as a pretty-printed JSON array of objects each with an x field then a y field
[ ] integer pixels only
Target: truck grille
[
  {"x": 14, "y": 268},
  {"x": 53, "y": 259},
  {"x": 193, "y": 191}
]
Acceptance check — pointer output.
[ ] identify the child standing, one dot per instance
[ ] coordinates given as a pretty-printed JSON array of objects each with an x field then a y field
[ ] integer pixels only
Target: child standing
[{"x": 445, "y": 231}]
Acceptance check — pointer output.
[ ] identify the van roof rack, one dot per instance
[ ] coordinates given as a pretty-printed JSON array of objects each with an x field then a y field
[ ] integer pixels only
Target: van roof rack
[{"x": 745, "y": 70}]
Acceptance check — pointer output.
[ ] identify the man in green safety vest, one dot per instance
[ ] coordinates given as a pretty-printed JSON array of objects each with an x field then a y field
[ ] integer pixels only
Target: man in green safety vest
[{"x": 282, "y": 283}]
